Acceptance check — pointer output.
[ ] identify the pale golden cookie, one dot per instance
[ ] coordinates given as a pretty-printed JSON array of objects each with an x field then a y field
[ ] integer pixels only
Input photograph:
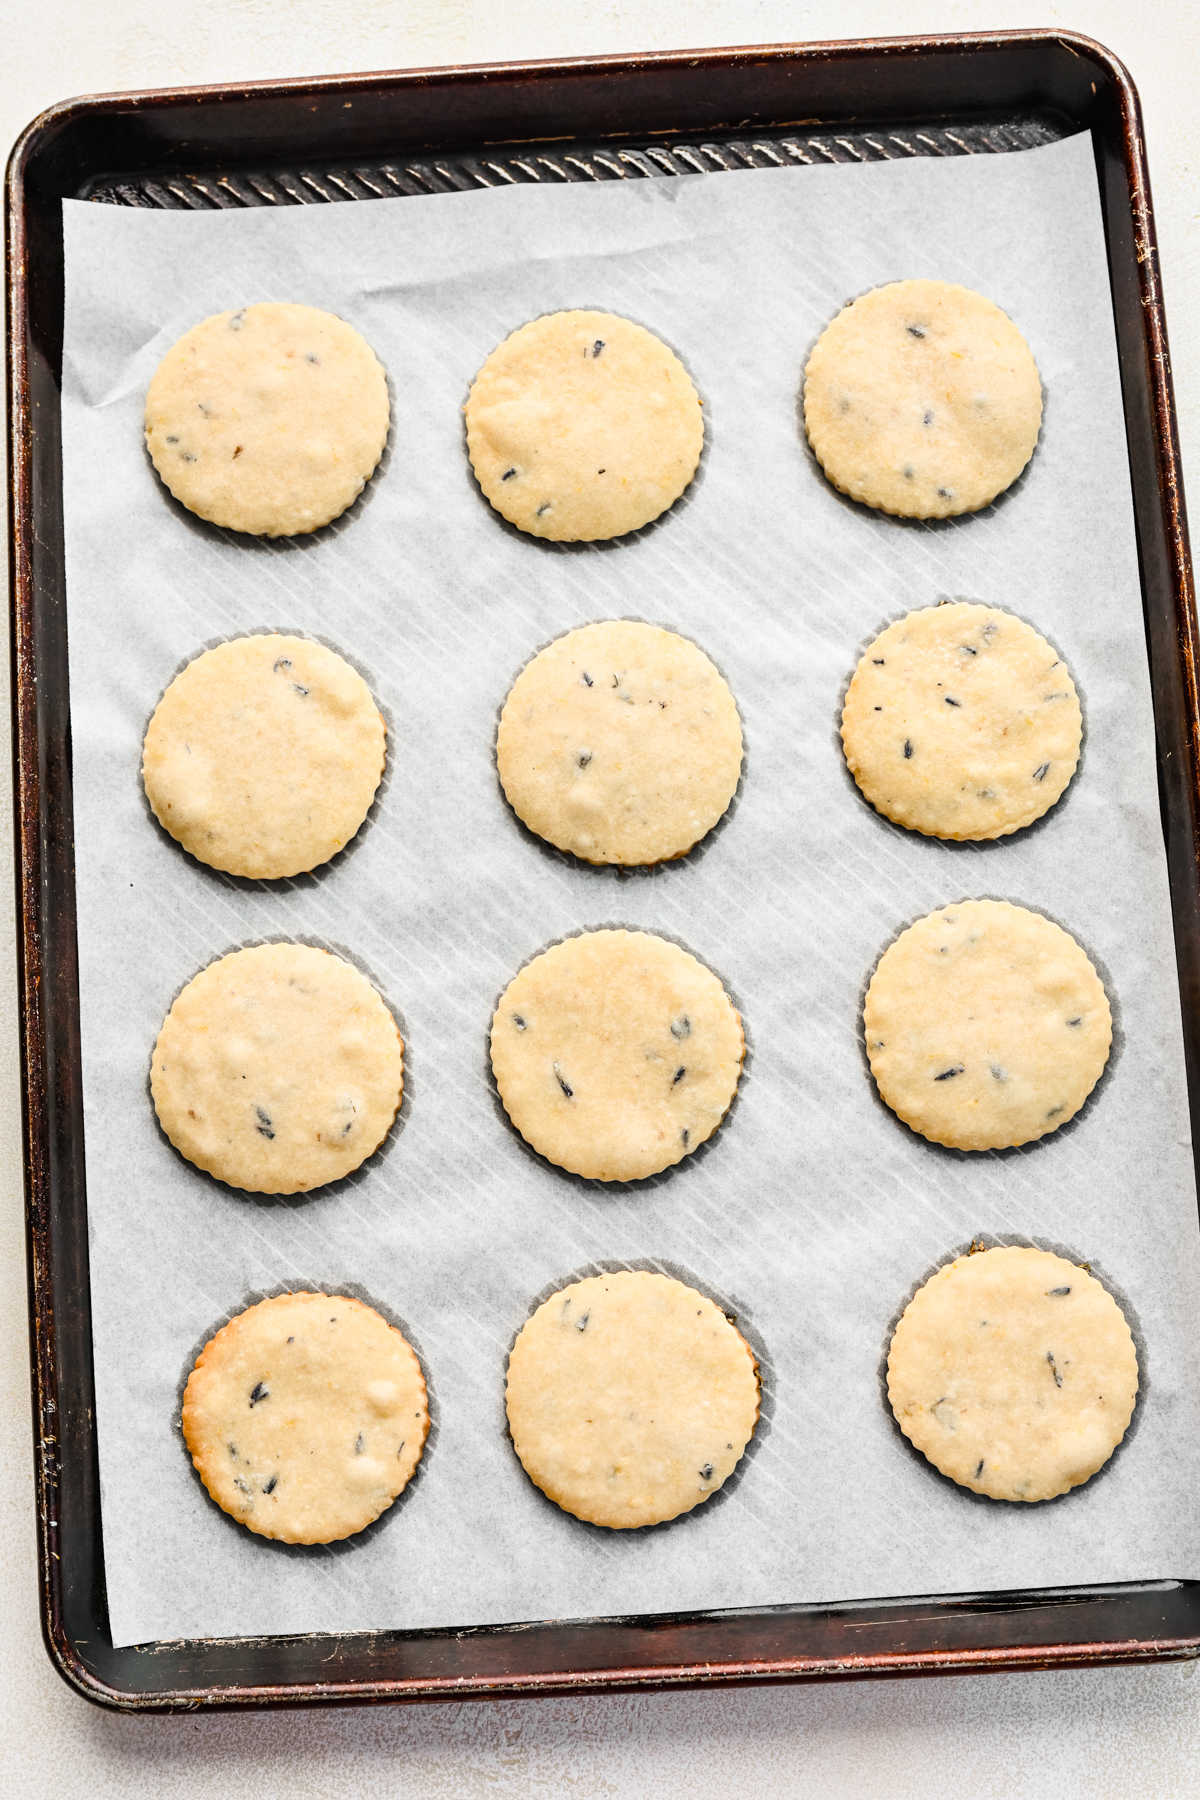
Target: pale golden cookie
[
  {"x": 631, "y": 1398},
  {"x": 263, "y": 756},
  {"x": 620, "y": 742},
  {"x": 922, "y": 399},
  {"x": 277, "y": 1069},
  {"x": 962, "y": 722},
  {"x": 305, "y": 1417},
  {"x": 986, "y": 1026},
  {"x": 268, "y": 420},
  {"x": 616, "y": 1054},
  {"x": 583, "y": 425},
  {"x": 1014, "y": 1372}
]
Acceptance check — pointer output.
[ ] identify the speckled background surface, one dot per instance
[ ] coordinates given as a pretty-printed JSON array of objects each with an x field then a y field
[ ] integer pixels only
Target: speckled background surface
[{"x": 1120, "y": 1733}]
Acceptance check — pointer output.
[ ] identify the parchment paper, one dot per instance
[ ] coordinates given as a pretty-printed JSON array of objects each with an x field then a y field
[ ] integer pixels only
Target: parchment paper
[{"x": 814, "y": 1213}]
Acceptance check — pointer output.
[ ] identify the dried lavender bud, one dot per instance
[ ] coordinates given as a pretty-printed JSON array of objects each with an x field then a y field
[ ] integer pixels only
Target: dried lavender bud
[
  {"x": 360, "y": 1444},
  {"x": 508, "y": 474},
  {"x": 519, "y": 1021},
  {"x": 1056, "y": 1293},
  {"x": 543, "y": 509},
  {"x": 259, "y": 1392},
  {"x": 679, "y": 1075},
  {"x": 586, "y": 679},
  {"x": 681, "y": 1027},
  {"x": 563, "y": 1083},
  {"x": 270, "y": 1486},
  {"x": 1042, "y": 770},
  {"x": 597, "y": 347},
  {"x": 907, "y": 748},
  {"x": 917, "y": 331},
  {"x": 264, "y": 1126},
  {"x": 950, "y": 702},
  {"x": 706, "y": 1473},
  {"x": 1054, "y": 1368},
  {"x": 583, "y": 758},
  {"x": 582, "y": 1324},
  {"x": 950, "y": 1073}
]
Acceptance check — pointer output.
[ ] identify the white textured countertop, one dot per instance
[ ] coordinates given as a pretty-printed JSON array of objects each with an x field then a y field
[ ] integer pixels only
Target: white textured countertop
[{"x": 1117, "y": 1732}]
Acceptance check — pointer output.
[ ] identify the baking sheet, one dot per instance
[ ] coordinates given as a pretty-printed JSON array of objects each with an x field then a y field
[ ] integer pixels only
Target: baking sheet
[{"x": 814, "y": 1212}]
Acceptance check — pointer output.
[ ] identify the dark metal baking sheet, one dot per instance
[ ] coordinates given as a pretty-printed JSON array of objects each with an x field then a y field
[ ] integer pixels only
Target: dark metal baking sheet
[{"x": 344, "y": 138}]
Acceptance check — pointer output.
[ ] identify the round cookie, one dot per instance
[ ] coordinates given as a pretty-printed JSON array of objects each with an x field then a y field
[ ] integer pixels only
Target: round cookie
[
  {"x": 922, "y": 399},
  {"x": 263, "y": 756},
  {"x": 583, "y": 425},
  {"x": 631, "y": 1399},
  {"x": 305, "y": 1417},
  {"x": 1013, "y": 1371},
  {"x": 621, "y": 743},
  {"x": 268, "y": 420},
  {"x": 616, "y": 1054},
  {"x": 962, "y": 722},
  {"x": 986, "y": 1026},
  {"x": 277, "y": 1069}
]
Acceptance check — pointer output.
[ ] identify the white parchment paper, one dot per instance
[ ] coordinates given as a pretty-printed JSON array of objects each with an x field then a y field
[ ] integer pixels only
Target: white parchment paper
[{"x": 813, "y": 1213}]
